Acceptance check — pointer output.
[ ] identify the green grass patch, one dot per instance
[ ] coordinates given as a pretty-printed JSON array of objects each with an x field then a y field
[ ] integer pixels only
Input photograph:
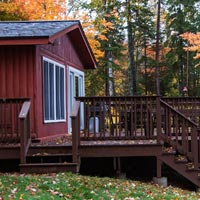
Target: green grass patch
[{"x": 72, "y": 186}]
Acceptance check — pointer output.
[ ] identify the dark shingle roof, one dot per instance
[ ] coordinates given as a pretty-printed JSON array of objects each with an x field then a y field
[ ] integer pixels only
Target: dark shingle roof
[{"x": 30, "y": 29}]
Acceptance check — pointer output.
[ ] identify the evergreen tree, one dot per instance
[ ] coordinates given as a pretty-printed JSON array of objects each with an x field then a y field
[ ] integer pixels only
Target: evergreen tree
[
  {"x": 107, "y": 19},
  {"x": 140, "y": 30},
  {"x": 181, "y": 17}
]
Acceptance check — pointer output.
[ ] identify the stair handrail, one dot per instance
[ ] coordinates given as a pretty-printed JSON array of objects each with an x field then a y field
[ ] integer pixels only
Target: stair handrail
[
  {"x": 190, "y": 150},
  {"x": 189, "y": 106},
  {"x": 75, "y": 119},
  {"x": 25, "y": 133}
]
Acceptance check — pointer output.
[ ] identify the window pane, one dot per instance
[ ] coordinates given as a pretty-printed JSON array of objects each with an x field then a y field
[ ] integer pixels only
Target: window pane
[
  {"x": 51, "y": 90},
  {"x": 46, "y": 90},
  {"x": 54, "y": 91},
  {"x": 76, "y": 86},
  {"x": 58, "y": 92},
  {"x": 71, "y": 90},
  {"x": 60, "y": 108},
  {"x": 62, "y": 93}
]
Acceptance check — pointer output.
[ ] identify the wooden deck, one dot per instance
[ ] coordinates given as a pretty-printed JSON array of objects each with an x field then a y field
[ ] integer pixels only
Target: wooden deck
[
  {"x": 106, "y": 148},
  {"x": 116, "y": 127}
]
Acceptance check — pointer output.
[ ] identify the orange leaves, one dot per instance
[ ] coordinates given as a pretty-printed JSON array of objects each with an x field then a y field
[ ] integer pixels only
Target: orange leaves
[
  {"x": 92, "y": 32},
  {"x": 37, "y": 9},
  {"x": 150, "y": 51},
  {"x": 194, "y": 42},
  {"x": 12, "y": 9},
  {"x": 193, "y": 39}
]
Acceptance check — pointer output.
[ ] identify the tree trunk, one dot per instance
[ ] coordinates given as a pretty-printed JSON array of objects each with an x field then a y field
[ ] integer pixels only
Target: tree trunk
[
  {"x": 109, "y": 74},
  {"x": 131, "y": 66},
  {"x": 157, "y": 75}
]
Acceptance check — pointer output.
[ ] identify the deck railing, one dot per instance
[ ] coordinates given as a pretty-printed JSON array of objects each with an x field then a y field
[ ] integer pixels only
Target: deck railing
[
  {"x": 189, "y": 106},
  {"x": 25, "y": 134},
  {"x": 119, "y": 117},
  {"x": 9, "y": 121},
  {"x": 180, "y": 132}
]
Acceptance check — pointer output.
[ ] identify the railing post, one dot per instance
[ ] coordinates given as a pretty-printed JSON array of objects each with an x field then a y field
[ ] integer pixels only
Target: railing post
[
  {"x": 75, "y": 118},
  {"x": 195, "y": 146},
  {"x": 24, "y": 131},
  {"x": 158, "y": 119},
  {"x": 22, "y": 141}
]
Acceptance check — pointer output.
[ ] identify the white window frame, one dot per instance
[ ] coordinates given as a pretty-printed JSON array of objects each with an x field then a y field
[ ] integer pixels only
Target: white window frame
[
  {"x": 55, "y": 65},
  {"x": 77, "y": 73}
]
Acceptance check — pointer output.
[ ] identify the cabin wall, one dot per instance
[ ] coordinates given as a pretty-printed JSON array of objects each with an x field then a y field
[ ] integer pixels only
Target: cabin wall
[
  {"x": 63, "y": 52},
  {"x": 17, "y": 74},
  {"x": 21, "y": 73}
]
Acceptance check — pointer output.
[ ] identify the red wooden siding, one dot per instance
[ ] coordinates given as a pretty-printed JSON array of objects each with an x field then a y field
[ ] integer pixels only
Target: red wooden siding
[
  {"x": 17, "y": 74},
  {"x": 63, "y": 52},
  {"x": 21, "y": 76}
]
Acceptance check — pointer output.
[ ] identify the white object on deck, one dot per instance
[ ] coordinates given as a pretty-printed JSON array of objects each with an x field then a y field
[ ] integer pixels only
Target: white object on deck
[{"x": 93, "y": 124}]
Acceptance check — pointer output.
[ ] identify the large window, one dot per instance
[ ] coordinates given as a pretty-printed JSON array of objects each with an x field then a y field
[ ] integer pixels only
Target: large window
[{"x": 54, "y": 91}]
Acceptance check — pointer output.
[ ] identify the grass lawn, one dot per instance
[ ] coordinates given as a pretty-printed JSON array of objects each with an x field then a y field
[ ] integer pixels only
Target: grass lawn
[{"x": 71, "y": 186}]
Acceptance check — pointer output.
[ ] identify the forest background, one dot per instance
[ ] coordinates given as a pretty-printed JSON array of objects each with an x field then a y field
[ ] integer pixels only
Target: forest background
[{"x": 142, "y": 47}]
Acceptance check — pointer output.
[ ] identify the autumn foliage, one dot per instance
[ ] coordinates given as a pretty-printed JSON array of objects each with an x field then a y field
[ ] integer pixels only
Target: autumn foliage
[
  {"x": 56, "y": 10},
  {"x": 35, "y": 9},
  {"x": 193, "y": 42}
]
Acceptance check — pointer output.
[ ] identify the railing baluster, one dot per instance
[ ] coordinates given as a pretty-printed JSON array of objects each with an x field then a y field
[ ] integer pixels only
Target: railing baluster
[
  {"x": 186, "y": 133},
  {"x": 125, "y": 117}
]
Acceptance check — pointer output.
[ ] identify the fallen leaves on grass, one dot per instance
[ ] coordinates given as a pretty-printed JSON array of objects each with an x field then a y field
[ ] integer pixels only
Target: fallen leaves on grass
[{"x": 71, "y": 186}]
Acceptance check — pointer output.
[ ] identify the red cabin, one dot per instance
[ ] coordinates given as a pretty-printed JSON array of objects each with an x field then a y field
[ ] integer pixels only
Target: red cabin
[{"x": 44, "y": 61}]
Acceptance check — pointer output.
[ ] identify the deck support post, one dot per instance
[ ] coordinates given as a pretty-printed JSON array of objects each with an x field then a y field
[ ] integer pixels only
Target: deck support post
[
  {"x": 117, "y": 167},
  {"x": 158, "y": 168},
  {"x": 159, "y": 179}
]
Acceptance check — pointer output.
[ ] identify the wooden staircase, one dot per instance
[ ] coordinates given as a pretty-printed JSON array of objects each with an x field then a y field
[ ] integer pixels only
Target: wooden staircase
[
  {"x": 182, "y": 135},
  {"x": 181, "y": 165},
  {"x": 49, "y": 159}
]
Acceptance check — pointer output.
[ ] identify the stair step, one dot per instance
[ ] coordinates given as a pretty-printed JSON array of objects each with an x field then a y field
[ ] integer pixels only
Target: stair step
[
  {"x": 49, "y": 155},
  {"x": 168, "y": 151},
  {"x": 50, "y": 149},
  {"x": 42, "y": 168},
  {"x": 181, "y": 159},
  {"x": 190, "y": 168},
  {"x": 49, "y": 158}
]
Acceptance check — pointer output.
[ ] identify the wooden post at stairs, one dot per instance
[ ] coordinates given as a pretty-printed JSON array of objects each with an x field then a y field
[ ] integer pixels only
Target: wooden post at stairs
[
  {"x": 159, "y": 179},
  {"x": 75, "y": 116}
]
